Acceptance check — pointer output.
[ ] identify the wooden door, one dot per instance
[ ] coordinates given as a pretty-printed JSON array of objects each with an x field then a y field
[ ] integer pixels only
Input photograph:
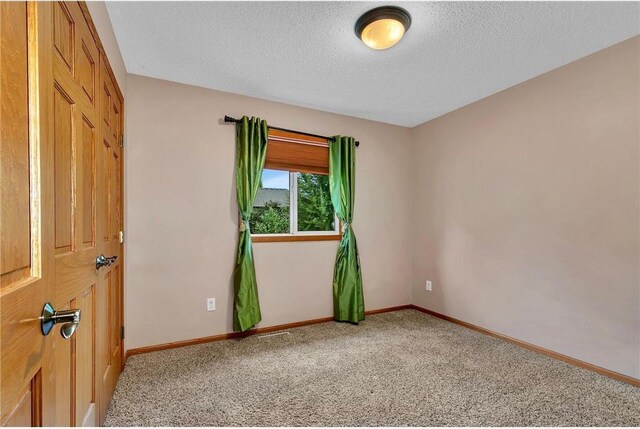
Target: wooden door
[
  {"x": 26, "y": 239},
  {"x": 109, "y": 310},
  {"x": 61, "y": 208},
  {"x": 75, "y": 72}
]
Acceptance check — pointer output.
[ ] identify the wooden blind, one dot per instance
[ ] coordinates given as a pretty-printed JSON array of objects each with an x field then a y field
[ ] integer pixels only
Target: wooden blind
[{"x": 297, "y": 152}]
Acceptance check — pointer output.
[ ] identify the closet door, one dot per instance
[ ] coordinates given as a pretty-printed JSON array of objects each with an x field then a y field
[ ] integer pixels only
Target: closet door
[
  {"x": 88, "y": 126},
  {"x": 61, "y": 208},
  {"x": 26, "y": 197},
  {"x": 75, "y": 78},
  {"x": 109, "y": 236}
]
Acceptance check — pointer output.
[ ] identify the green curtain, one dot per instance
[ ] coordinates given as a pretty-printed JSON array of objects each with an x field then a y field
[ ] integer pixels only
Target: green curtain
[
  {"x": 251, "y": 150},
  {"x": 348, "y": 299}
]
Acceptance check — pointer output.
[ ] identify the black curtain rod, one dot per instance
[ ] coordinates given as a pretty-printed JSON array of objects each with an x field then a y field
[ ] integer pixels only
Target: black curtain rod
[{"x": 229, "y": 119}]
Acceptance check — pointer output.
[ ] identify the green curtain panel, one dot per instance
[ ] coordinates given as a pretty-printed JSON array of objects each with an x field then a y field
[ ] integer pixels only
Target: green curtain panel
[
  {"x": 348, "y": 298},
  {"x": 251, "y": 150}
]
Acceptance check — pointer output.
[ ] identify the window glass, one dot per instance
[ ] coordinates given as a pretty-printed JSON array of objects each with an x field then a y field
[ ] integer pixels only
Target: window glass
[
  {"x": 291, "y": 203},
  {"x": 314, "y": 208},
  {"x": 271, "y": 207}
]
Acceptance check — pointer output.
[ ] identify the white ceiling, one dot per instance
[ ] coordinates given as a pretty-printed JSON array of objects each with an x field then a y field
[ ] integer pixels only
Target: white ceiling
[{"x": 307, "y": 54}]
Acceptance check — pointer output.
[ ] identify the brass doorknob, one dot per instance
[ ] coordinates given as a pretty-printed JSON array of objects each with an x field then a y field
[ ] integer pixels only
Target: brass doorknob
[{"x": 70, "y": 320}]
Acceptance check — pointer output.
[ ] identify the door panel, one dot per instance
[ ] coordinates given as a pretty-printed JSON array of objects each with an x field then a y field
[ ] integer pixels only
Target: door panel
[
  {"x": 106, "y": 369},
  {"x": 105, "y": 175},
  {"x": 61, "y": 378},
  {"x": 106, "y": 101},
  {"x": 63, "y": 30},
  {"x": 60, "y": 192},
  {"x": 63, "y": 114},
  {"x": 87, "y": 69},
  {"x": 115, "y": 196},
  {"x": 27, "y": 411},
  {"x": 87, "y": 178},
  {"x": 21, "y": 414},
  {"x": 114, "y": 302},
  {"x": 16, "y": 239},
  {"x": 85, "y": 359}
]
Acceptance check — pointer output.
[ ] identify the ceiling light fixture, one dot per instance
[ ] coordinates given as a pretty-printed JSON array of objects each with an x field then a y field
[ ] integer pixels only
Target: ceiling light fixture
[{"x": 383, "y": 27}]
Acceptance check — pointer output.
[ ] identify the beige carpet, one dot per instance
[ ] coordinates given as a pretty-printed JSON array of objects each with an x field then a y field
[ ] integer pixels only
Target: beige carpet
[{"x": 394, "y": 369}]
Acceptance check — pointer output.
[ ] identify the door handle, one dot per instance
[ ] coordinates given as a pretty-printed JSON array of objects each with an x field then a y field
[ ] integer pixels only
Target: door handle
[
  {"x": 103, "y": 261},
  {"x": 70, "y": 320}
]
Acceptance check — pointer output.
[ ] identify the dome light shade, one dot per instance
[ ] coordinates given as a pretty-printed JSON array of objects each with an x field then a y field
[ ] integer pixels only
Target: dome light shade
[{"x": 383, "y": 27}]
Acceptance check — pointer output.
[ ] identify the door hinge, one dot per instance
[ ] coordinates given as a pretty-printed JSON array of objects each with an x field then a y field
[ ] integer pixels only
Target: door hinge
[
  {"x": 122, "y": 332},
  {"x": 121, "y": 236},
  {"x": 121, "y": 141}
]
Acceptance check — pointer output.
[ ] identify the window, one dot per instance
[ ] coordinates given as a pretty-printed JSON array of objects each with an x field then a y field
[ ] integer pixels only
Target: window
[
  {"x": 272, "y": 207},
  {"x": 293, "y": 202}
]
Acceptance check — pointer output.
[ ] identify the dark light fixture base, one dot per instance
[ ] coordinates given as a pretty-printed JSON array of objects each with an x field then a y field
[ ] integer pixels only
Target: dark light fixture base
[{"x": 383, "y": 12}]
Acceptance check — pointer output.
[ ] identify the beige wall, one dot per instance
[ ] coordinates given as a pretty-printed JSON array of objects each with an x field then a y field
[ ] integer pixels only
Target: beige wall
[
  {"x": 182, "y": 217},
  {"x": 522, "y": 208},
  {"x": 526, "y": 211}
]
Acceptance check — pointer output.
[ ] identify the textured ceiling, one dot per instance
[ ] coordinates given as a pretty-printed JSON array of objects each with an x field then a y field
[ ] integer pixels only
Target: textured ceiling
[{"x": 306, "y": 53}]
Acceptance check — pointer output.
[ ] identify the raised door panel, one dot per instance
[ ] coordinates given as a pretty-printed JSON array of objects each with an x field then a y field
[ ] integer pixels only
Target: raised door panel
[
  {"x": 115, "y": 196},
  {"x": 27, "y": 410},
  {"x": 87, "y": 68},
  {"x": 85, "y": 401},
  {"x": 106, "y": 191},
  {"x": 63, "y": 143},
  {"x": 64, "y": 36},
  {"x": 20, "y": 416},
  {"x": 106, "y": 371},
  {"x": 61, "y": 368},
  {"x": 114, "y": 303},
  {"x": 105, "y": 104},
  {"x": 88, "y": 182},
  {"x": 115, "y": 120},
  {"x": 111, "y": 335},
  {"x": 15, "y": 243}
]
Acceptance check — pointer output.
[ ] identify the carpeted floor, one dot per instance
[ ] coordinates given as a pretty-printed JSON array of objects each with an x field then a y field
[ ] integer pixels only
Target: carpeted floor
[{"x": 395, "y": 369}]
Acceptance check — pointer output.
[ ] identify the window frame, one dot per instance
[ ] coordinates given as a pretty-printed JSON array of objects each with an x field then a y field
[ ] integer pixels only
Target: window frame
[{"x": 294, "y": 234}]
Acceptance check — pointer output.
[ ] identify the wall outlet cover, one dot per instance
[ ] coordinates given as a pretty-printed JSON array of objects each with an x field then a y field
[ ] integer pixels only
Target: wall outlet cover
[
  {"x": 428, "y": 286},
  {"x": 211, "y": 304}
]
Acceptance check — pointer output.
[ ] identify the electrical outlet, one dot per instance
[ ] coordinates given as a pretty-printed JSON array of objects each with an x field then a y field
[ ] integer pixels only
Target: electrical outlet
[
  {"x": 428, "y": 287},
  {"x": 211, "y": 304}
]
